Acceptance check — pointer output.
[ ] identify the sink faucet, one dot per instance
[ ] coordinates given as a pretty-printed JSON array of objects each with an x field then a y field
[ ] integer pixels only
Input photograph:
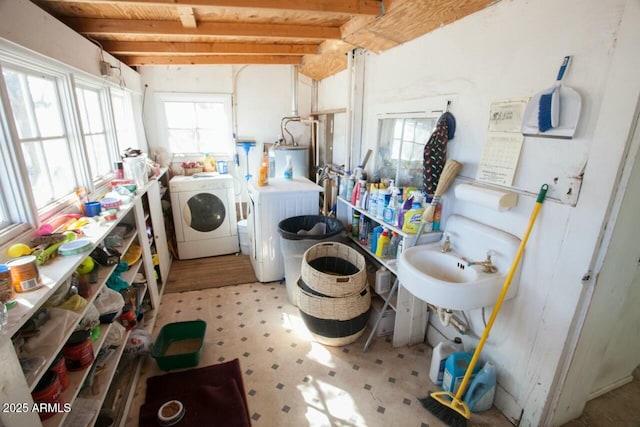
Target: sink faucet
[
  {"x": 487, "y": 264},
  {"x": 446, "y": 245}
]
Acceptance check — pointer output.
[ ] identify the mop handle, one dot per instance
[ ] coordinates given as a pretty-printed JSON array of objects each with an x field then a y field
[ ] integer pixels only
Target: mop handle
[{"x": 503, "y": 293}]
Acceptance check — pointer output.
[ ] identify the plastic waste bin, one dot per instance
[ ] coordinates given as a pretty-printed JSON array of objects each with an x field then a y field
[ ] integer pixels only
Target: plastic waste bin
[{"x": 299, "y": 233}]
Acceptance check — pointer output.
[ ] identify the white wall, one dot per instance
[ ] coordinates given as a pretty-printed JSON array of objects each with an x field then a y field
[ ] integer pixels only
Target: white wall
[
  {"x": 262, "y": 97},
  {"x": 512, "y": 50},
  {"x": 28, "y": 26}
]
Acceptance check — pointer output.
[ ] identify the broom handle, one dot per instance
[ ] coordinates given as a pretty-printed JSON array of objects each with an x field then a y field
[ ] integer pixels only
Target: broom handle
[{"x": 503, "y": 293}]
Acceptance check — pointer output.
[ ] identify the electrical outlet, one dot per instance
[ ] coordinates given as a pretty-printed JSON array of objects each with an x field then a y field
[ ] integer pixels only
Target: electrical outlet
[{"x": 105, "y": 69}]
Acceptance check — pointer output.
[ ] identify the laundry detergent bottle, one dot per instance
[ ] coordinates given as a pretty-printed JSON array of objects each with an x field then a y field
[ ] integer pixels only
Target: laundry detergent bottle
[
  {"x": 454, "y": 370},
  {"x": 439, "y": 356},
  {"x": 480, "y": 394}
]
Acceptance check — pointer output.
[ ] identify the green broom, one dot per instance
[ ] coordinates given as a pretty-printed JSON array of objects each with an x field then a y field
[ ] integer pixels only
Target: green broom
[{"x": 445, "y": 405}]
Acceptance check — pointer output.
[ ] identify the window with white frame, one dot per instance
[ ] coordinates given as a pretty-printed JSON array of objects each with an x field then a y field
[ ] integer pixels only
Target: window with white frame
[
  {"x": 197, "y": 123},
  {"x": 123, "y": 119},
  {"x": 42, "y": 133},
  {"x": 91, "y": 104}
]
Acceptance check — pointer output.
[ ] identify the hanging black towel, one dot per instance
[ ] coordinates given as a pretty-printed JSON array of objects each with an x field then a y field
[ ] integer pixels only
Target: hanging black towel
[{"x": 435, "y": 152}]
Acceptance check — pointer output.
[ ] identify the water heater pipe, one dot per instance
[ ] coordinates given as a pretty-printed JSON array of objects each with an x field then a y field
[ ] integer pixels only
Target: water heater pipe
[{"x": 294, "y": 90}]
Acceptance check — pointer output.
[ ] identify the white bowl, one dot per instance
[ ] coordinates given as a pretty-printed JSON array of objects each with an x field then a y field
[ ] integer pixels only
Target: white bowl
[{"x": 170, "y": 413}]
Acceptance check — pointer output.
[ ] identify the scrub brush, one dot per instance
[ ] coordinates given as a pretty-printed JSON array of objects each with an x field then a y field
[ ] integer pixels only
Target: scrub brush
[{"x": 549, "y": 105}]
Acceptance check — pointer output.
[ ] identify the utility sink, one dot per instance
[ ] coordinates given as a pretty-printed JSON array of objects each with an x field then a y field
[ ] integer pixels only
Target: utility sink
[{"x": 445, "y": 279}]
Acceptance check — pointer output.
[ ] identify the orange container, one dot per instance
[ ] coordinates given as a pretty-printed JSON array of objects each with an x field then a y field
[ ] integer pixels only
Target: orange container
[
  {"x": 78, "y": 351},
  {"x": 60, "y": 368},
  {"x": 48, "y": 391},
  {"x": 25, "y": 275}
]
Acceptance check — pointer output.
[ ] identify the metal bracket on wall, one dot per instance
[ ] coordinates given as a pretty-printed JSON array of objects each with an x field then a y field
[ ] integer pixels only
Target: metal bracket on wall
[{"x": 566, "y": 189}]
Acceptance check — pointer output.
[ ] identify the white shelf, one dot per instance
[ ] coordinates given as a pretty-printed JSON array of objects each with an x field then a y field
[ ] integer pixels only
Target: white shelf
[
  {"x": 106, "y": 376},
  {"x": 76, "y": 379},
  {"x": 53, "y": 274}
]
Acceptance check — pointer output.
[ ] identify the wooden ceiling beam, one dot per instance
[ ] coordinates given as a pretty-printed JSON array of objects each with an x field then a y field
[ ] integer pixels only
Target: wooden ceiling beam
[
  {"x": 349, "y": 7},
  {"x": 187, "y": 17},
  {"x": 98, "y": 27},
  {"x": 193, "y": 48},
  {"x": 138, "y": 60}
]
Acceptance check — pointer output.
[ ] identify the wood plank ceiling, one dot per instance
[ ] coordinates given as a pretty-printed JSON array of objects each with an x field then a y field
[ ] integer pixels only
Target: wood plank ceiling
[{"x": 313, "y": 34}]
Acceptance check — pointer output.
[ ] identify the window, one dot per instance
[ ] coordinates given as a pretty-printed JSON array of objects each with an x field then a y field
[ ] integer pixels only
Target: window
[
  {"x": 401, "y": 144},
  {"x": 91, "y": 105},
  {"x": 36, "y": 107},
  {"x": 197, "y": 123},
  {"x": 123, "y": 118}
]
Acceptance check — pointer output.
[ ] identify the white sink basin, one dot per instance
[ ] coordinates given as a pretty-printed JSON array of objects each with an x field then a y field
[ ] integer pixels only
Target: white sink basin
[{"x": 446, "y": 280}]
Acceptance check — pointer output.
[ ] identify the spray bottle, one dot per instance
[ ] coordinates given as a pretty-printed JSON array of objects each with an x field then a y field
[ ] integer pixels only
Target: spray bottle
[{"x": 288, "y": 169}]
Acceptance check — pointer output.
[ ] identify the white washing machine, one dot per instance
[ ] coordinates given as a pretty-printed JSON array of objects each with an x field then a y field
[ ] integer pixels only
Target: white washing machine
[
  {"x": 268, "y": 205},
  {"x": 204, "y": 215}
]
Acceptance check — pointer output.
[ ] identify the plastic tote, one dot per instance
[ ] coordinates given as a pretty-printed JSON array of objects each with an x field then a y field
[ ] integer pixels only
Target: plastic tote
[{"x": 299, "y": 233}]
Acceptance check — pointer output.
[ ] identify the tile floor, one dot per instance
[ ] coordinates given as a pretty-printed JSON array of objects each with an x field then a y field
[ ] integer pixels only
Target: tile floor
[{"x": 290, "y": 379}]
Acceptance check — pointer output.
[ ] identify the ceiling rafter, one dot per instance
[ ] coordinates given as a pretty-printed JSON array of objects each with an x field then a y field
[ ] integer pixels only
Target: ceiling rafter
[
  {"x": 348, "y": 7},
  {"x": 138, "y": 60},
  {"x": 204, "y": 48},
  {"x": 153, "y": 27},
  {"x": 187, "y": 17}
]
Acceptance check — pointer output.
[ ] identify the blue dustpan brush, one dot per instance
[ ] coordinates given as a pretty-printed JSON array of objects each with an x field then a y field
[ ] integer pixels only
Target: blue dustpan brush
[{"x": 549, "y": 105}]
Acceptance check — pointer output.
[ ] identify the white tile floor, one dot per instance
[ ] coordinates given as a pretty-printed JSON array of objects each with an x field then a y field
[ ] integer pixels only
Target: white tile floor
[{"x": 290, "y": 379}]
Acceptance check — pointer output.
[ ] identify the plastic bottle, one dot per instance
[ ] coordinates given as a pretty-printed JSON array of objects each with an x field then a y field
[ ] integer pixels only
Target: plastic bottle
[
  {"x": 263, "y": 174},
  {"x": 383, "y": 280},
  {"x": 413, "y": 217},
  {"x": 209, "y": 163},
  {"x": 373, "y": 199},
  {"x": 454, "y": 370},
  {"x": 481, "y": 392},
  {"x": 355, "y": 224},
  {"x": 437, "y": 215},
  {"x": 350, "y": 181},
  {"x": 288, "y": 169},
  {"x": 393, "y": 245},
  {"x": 361, "y": 192},
  {"x": 382, "y": 246},
  {"x": 439, "y": 356},
  {"x": 354, "y": 193},
  {"x": 377, "y": 231}
]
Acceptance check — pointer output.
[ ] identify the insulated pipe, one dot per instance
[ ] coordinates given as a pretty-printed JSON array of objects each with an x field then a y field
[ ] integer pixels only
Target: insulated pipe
[
  {"x": 349, "y": 125},
  {"x": 294, "y": 90}
]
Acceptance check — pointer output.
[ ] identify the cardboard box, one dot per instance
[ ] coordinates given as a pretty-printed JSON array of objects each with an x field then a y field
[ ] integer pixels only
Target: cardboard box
[{"x": 388, "y": 318}]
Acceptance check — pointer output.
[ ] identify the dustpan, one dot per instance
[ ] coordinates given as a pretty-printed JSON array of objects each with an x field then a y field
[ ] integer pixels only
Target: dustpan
[{"x": 570, "y": 104}]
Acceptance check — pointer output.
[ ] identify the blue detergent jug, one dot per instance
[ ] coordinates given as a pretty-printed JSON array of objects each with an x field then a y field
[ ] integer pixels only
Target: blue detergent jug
[
  {"x": 454, "y": 369},
  {"x": 479, "y": 396}
]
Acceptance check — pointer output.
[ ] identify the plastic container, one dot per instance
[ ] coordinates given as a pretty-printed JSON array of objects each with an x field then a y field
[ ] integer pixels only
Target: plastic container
[
  {"x": 263, "y": 174},
  {"x": 288, "y": 168},
  {"x": 25, "y": 275},
  {"x": 48, "y": 391},
  {"x": 179, "y": 345},
  {"x": 413, "y": 217},
  {"x": 382, "y": 247},
  {"x": 6, "y": 290},
  {"x": 244, "y": 237},
  {"x": 209, "y": 163},
  {"x": 383, "y": 281},
  {"x": 454, "y": 370},
  {"x": 481, "y": 392},
  {"x": 78, "y": 351},
  {"x": 135, "y": 168},
  {"x": 299, "y": 233},
  {"x": 60, "y": 368},
  {"x": 92, "y": 209},
  {"x": 439, "y": 356}
]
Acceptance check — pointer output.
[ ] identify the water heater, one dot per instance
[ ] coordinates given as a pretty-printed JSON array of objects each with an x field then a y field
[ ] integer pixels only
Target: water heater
[{"x": 299, "y": 160}]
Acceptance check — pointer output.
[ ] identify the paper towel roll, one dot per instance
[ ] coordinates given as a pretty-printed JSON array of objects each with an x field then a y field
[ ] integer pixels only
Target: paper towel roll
[{"x": 500, "y": 200}]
